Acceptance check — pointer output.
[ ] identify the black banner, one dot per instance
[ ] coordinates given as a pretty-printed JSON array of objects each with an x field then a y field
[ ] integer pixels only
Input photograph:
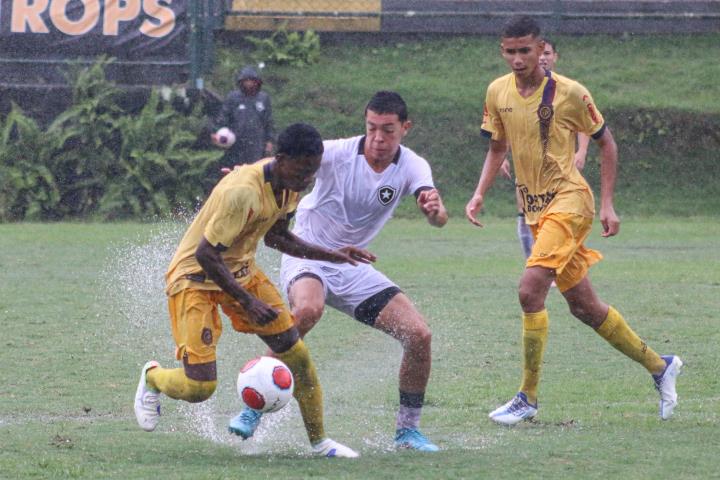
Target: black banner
[{"x": 147, "y": 38}]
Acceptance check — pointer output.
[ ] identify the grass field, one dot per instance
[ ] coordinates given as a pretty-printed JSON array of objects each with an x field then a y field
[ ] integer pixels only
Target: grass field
[{"x": 83, "y": 309}]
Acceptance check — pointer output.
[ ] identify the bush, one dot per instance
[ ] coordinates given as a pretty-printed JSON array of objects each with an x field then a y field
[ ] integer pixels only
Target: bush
[
  {"x": 295, "y": 49},
  {"x": 95, "y": 159}
]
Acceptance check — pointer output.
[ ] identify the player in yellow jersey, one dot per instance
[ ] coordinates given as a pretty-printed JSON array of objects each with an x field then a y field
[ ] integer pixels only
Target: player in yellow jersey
[
  {"x": 537, "y": 113},
  {"x": 214, "y": 266},
  {"x": 548, "y": 59}
]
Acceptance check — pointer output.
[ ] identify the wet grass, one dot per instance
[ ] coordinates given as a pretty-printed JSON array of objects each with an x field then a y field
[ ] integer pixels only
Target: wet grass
[{"x": 83, "y": 309}]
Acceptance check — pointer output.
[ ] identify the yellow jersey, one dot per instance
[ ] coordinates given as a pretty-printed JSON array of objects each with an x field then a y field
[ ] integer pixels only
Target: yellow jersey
[
  {"x": 542, "y": 141},
  {"x": 238, "y": 213}
]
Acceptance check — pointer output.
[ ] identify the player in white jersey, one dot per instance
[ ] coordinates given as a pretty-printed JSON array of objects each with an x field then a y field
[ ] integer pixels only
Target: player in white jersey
[{"x": 360, "y": 182}]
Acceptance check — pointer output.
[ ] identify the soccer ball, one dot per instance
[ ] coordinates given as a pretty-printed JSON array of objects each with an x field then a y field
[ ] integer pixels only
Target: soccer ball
[
  {"x": 225, "y": 137},
  {"x": 265, "y": 384}
]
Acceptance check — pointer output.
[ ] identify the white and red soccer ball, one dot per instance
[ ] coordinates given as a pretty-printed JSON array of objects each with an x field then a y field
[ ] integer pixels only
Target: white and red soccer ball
[
  {"x": 265, "y": 384},
  {"x": 224, "y": 137}
]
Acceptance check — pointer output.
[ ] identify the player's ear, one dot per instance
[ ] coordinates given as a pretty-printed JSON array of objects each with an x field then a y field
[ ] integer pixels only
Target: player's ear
[{"x": 406, "y": 126}]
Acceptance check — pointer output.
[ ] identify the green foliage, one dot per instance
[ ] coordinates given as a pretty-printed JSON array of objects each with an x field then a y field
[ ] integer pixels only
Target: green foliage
[
  {"x": 28, "y": 188},
  {"x": 87, "y": 131},
  {"x": 157, "y": 169},
  {"x": 287, "y": 48},
  {"x": 95, "y": 159}
]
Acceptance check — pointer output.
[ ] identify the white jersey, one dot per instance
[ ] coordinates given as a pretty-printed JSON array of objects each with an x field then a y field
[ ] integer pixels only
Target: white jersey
[{"x": 350, "y": 202}]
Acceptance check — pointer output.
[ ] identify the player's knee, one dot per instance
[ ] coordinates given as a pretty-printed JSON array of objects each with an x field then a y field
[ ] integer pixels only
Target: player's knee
[
  {"x": 530, "y": 301},
  {"x": 306, "y": 316},
  {"x": 418, "y": 337},
  {"x": 199, "y": 391}
]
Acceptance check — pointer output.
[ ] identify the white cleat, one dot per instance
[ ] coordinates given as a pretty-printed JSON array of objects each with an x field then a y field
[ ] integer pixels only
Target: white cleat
[
  {"x": 147, "y": 401},
  {"x": 665, "y": 385},
  {"x": 332, "y": 449},
  {"x": 514, "y": 411}
]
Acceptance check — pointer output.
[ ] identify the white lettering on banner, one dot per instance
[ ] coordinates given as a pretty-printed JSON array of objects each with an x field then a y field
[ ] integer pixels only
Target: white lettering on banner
[{"x": 26, "y": 16}]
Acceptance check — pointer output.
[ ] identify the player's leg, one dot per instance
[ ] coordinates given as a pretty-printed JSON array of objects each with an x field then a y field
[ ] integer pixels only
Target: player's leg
[
  {"x": 307, "y": 301},
  {"x": 534, "y": 286},
  {"x": 283, "y": 338},
  {"x": 611, "y": 326},
  {"x": 400, "y": 319},
  {"x": 288, "y": 347},
  {"x": 196, "y": 329}
]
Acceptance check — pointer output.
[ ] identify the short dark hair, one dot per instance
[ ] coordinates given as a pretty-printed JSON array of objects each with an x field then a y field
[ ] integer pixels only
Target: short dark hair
[
  {"x": 300, "y": 140},
  {"x": 551, "y": 42},
  {"x": 519, "y": 26},
  {"x": 388, "y": 102}
]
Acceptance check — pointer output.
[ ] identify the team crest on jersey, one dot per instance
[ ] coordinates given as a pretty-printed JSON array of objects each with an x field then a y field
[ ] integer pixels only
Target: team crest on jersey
[{"x": 386, "y": 193}]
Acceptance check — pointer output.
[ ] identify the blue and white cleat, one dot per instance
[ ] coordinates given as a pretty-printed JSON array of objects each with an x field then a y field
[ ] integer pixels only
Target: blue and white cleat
[
  {"x": 147, "y": 401},
  {"x": 514, "y": 411},
  {"x": 665, "y": 385},
  {"x": 245, "y": 424},
  {"x": 412, "y": 439},
  {"x": 332, "y": 449}
]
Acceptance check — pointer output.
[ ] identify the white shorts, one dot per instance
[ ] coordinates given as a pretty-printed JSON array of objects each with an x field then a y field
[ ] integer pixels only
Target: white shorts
[{"x": 361, "y": 292}]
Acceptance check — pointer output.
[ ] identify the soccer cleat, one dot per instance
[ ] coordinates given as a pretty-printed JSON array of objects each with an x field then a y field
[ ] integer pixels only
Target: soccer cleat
[
  {"x": 514, "y": 411},
  {"x": 147, "y": 401},
  {"x": 412, "y": 439},
  {"x": 332, "y": 449},
  {"x": 665, "y": 385},
  {"x": 245, "y": 423}
]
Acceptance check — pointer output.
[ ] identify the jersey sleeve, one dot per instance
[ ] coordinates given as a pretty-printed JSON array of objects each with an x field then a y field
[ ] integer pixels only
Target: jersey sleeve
[
  {"x": 492, "y": 126},
  {"x": 420, "y": 175},
  {"x": 234, "y": 211},
  {"x": 584, "y": 115}
]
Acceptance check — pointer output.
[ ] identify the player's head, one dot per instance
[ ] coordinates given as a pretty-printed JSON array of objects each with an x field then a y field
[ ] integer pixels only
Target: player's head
[
  {"x": 386, "y": 123},
  {"x": 521, "y": 45},
  {"x": 550, "y": 54},
  {"x": 249, "y": 81},
  {"x": 299, "y": 150}
]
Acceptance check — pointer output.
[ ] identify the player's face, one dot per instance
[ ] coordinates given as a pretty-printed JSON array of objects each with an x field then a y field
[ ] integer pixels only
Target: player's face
[
  {"x": 383, "y": 134},
  {"x": 548, "y": 57},
  {"x": 297, "y": 173},
  {"x": 522, "y": 54}
]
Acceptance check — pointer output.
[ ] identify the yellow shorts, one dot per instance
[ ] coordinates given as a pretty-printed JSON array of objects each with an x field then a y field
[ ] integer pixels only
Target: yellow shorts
[
  {"x": 196, "y": 323},
  {"x": 559, "y": 246}
]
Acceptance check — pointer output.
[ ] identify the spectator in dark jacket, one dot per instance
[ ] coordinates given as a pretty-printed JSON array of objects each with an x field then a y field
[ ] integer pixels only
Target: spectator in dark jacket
[{"x": 248, "y": 114}]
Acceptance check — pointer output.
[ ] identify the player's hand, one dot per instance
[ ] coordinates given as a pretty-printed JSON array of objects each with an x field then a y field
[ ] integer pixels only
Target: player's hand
[
  {"x": 429, "y": 202},
  {"x": 610, "y": 221},
  {"x": 353, "y": 255},
  {"x": 505, "y": 169},
  {"x": 257, "y": 310},
  {"x": 473, "y": 207}
]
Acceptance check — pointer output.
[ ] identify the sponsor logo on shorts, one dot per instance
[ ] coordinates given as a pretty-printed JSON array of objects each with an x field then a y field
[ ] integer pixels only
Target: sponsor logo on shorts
[
  {"x": 385, "y": 194},
  {"x": 505, "y": 110}
]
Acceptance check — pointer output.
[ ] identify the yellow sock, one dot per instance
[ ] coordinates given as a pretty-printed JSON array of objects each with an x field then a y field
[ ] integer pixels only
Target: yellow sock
[
  {"x": 619, "y": 334},
  {"x": 535, "y": 332},
  {"x": 173, "y": 383},
  {"x": 307, "y": 389}
]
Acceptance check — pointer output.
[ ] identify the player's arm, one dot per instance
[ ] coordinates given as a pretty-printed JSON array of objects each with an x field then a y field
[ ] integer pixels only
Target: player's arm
[
  {"x": 581, "y": 154},
  {"x": 281, "y": 238},
  {"x": 209, "y": 258},
  {"x": 493, "y": 160},
  {"x": 608, "y": 173},
  {"x": 431, "y": 205}
]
